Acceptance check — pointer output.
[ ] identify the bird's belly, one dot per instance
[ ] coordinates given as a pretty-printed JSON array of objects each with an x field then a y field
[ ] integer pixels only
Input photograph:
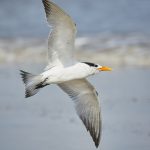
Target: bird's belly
[{"x": 63, "y": 77}]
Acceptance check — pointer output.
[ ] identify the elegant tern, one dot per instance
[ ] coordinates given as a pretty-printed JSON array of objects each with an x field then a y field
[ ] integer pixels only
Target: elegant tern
[{"x": 69, "y": 74}]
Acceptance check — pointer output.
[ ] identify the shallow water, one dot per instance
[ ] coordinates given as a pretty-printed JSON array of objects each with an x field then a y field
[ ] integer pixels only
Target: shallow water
[{"x": 48, "y": 120}]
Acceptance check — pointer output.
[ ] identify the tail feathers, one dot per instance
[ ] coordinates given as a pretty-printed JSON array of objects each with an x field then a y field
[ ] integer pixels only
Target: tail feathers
[
  {"x": 33, "y": 83},
  {"x": 30, "y": 91},
  {"x": 26, "y": 77}
]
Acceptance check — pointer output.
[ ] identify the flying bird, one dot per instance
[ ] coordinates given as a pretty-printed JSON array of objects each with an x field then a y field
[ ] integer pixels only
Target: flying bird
[{"x": 65, "y": 71}]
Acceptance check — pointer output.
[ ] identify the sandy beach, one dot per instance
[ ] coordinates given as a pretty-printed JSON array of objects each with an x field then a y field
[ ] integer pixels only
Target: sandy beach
[{"x": 48, "y": 120}]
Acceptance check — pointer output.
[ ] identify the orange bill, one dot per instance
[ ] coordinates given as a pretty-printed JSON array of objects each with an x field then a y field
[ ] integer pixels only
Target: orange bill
[{"x": 104, "y": 68}]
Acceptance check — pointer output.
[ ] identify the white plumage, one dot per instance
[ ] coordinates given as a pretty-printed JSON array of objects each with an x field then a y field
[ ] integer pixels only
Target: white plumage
[{"x": 66, "y": 72}]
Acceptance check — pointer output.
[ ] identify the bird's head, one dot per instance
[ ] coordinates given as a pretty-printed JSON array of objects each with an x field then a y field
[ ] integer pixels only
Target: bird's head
[{"x": 95, "y": 68}]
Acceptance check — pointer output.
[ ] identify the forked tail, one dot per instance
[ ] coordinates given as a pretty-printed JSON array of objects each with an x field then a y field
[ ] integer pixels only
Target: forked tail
[{"x": 33, "y": 83}]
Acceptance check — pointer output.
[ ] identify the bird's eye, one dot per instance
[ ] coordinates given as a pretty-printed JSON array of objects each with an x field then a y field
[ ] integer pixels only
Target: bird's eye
[{"x": 96, "y": 66}]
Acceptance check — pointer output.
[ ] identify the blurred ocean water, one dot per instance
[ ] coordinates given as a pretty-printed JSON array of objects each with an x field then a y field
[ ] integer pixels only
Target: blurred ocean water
[
  {"x": 114, "y": 30},
  {"x": 115, "y": 51},
  {"x": 26, "y": 18},
  {"x": 110, "y": 32}
]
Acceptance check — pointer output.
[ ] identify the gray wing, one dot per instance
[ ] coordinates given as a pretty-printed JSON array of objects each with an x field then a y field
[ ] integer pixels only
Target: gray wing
[
  {"x": 86, "y": 103},
  {"x": 61, "y": 39}
]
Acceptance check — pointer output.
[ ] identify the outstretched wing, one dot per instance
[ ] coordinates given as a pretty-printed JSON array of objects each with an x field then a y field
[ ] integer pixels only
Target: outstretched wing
[
  {"x": 86, "y": 103},
  {"x": 61, "y": 39}
]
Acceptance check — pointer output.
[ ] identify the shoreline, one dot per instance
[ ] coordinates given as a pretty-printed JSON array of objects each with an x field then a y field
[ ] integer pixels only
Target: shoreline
[{"x": 117, "y": 51}]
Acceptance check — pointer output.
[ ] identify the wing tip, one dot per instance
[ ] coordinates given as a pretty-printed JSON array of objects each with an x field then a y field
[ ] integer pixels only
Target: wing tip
[
  {"x": 95, "y": 135},
  {"x": 47, "y": 7},
  {"x": 95, "y": 138},
  {"x": 96, "y": 141}
]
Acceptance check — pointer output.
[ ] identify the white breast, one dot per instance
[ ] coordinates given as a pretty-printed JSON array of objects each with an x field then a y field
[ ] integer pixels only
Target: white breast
[{"x": 59, "y": 75}]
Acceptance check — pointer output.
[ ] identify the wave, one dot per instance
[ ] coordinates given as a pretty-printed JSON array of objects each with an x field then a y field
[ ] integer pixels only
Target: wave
[{"x": 114, "y": 50}]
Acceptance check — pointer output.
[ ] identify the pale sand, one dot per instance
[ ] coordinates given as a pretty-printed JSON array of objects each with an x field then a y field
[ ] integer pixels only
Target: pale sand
[{"x": 48, "y": 120}]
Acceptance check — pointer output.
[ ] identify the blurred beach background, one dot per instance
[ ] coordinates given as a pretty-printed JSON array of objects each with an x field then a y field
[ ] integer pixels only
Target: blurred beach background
[{"x": 110, "y": 32}]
